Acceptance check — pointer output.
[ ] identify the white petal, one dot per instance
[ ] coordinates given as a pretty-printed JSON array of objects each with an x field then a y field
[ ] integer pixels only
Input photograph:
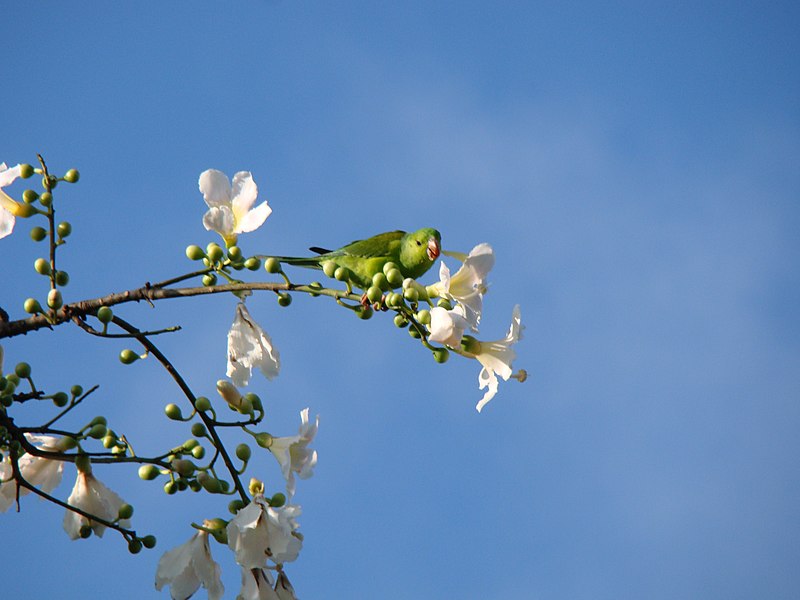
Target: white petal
[
  {"x": 486, "y": 378},
  {"x": 249, "y": 347},
  {"x": 244, "y": 192},
  {"x": 7, "y": 176},
  {"x": 253, "y": 219},
  {"x": 219, "y": 219},
  {"x": 7, "y": 221},
  {"x": 215, "y": 187}
]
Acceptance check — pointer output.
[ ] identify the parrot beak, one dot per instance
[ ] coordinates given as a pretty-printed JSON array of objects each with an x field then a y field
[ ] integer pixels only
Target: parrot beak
[{"x": 433, "y": 249}]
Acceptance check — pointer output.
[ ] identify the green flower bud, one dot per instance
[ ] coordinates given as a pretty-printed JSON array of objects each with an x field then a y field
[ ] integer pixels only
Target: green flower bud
[
  {"x": 412, "y": 331},
  {"x": 109, "y": 441},
  {"x": 99, "y": 419},
  {"x": 135, "y": 546},
  {"x": 411, "y": 294},
  {"x": 199, "y": 430},
  {"x": 83, "y": 463},
  {"x": 375, "y": 293},
  {"x": 24, "y": 211},
  {"x": 234, "y": 253},
  {"x": 125, "y": 511},
  {"x": 148, "y": 472},
  {"x": 424, "y": 316},
  {"x": 364, "y": 312},
  {"x": 66, "y": 443},
  {"x": 316, "y": 285},
  {"x": 32, "y": 306},
  {"x": 6, "y": 400},
  {"x": 72, "y": 176},
  {"x": 25, "y": 171},
  {"x": 194, "y": 252},
  {"x": 230, "y": 394},
  {"x": 254, "y": 401},
  {"x": 272, "y": 265},
  {"x": 394, "y": 277},
  {"x": 431, "y": 291},
  {"x": 263, "y": 439},
  {"x": 243, "y": 452},
  {"x": 46, "y": 199},
  {"x": 388, "y": 267},
  {"x": 209, "y": 279},
  {"x": 255, "y": 487},
  {"x": 85, "y": 531},
  {"x": 183, "y": 467},
  {"x": 202, "y": 404},
  {"x": 98, "y": 431},
  {"x": 441, "y": 355},
  {"x": 341, "y": 274},
  {"x": 445, "y": 304},
  {"x": 149, "y": 541},
  {"x": 23, "y": 370},
  {"x": 127, "y": 357},
  {"x": 277, "y": 500},
  {"x": 214, "y": 252},
  {"x": 173, "y": 411},
  {"x": 284, "y": 299},
  {"x": 54, "y": 299},
  {"x": 400, "y": 321},
  {"x": 3, "y": 383},
  {"x": 29, "y": 196},
  {"x": 12, "y": 378},
  {"x": 60, "y": 399},
  {"x": 64, "y": 229},
  {"x": 470, "y": 344},
  {"x": 252, "y": 263},
  {"x": 171, "y": 488},
  {"x": 234, "y": 506},
  {"x": 198, "y": 452},
  {"x": 76, "y": 390},
  {"x": 62, "y": 278},
  {"x": 210, "y": 484},
  {"x": 42, "y": 266},
  {"x": 379, "y": 280},
  {"x": 394, "y": 300},
  {"x": 38, "y": 234},
  {"x": 329, "y": 268},
  {"x": 104, "y": 315}
]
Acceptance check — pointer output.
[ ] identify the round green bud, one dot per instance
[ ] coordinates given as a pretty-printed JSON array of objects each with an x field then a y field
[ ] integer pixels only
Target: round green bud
[
  {"x": 341, "y": 274},
  {"x": 445, "y": 304},
  {"x": 364, "y": 312},
  {"x": 98, "y": 431},
  {"x": 243, "y": 452},
  {"x": 135, "y": 546},
  {"x": 125, "y": 511},
  {"x": 412, "y": 331},
  {"x": 424, "y": 316},
  {"x": 99, "y": 419},
  {"x": 272, "y": 265},
  {"x": 46, "y": 199},
  {"x": 29, "y": 196},
  {"x": 210, "y": 484},
  {"x": 198, "y": 452},
  {"x": 42, "y": 266},
  {"x": 173, "y": 411},
  {"x": 314, "y": 285},
  {"x": 379, "y": 280},
  {"x": 105, "y": 314},
  {"x": 375, "y": 293},
  {"x": 127, "y": 357},
  {"x": 209, "y": 279},
  {"x": 202, "y": 404},
  {"x": 388, "y": 267},
  {"x": 183, "y": 467},
  {"x": 38, "y": 234},
  {"x": 195, "y": 252},
  {"x": 12, "y": 378},
  {"x": 214, "y": 252},
  {"x": 64, "y": 229},
  {"x": 109, "y": 441},
  {"x": 76, "y": 390},
  {"x": 252, "y": 263},
  {"x": 62, "y": 278},
  {"x": 85, "y": 531},
  {"x": 6, "y": 400},
  {"x": 441, "y": 355},
  {"x": 394, "y": 300},
  {"x": 254, "y": 401},
  {"x": 83, "y": 463},
  {"x": 329, "y": 268},
  {"x": 234, "y": 506},
  {"x": 431, "y": 291},
  {"x": 148, "y": 472},
  {"x": 54, "y": 299},
  {"x": 32, "y": 306},
  {"x": 400, "y": 321},
  {"x": 263, "y": 439},
  {"x": 470, "y": 344},
  {"x": 411, "y": 294},
  {"x": 190, "y": 443},
  {"x": 237, "y": 266},
  {"x": 72, "y": 176},
  {"x": 234, "y": 253},
  {"x": 170, "y": 488},
  {"x": 224, "y": 485},
  {"x": 23, "y": 370},
  {"x": 149, "y": 541},
  {"x": 25, "y": 171},
  {"x": 278, "y": 499},
  {"x": 199, "y": 430},
  {"x": 284, "y": 299},
  {"x": 394, "y": 277},
  {"x": 66, "y": 443}
]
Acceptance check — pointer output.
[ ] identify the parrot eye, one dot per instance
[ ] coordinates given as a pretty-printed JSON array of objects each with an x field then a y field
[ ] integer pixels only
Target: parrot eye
[{"x": 419, "y": 243}]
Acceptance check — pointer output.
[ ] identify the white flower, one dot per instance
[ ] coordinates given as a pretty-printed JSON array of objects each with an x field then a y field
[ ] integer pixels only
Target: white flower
[
  {"x": 189, "y": 566},
  {"x": 496, "y": 358},
  {"x": 256, "y": 585},
  {"x": 468, "y": 285},
  {"x": 293, "y": 453},
  {"x": 95, "y": 498},
  {"x": 249, "y": 347},
  {"x": 230, "y": 208},
  {"x": 9, "y": 208},
  {"x": 447, "y": 326},
  {"x": 283, "y": 588},
  {"x": 259, "y": 531},
  {"x": 42, "y": 473}
]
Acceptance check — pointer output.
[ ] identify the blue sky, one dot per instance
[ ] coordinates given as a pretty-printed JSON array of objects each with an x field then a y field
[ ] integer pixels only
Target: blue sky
[{"x": 634, "y": 166}]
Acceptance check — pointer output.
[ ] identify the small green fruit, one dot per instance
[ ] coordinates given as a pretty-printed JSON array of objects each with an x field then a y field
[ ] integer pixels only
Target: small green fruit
[
  {"x": 173, "y": 411},
  {"x": 29, "y": 196},
  {"x": 149, "y": 541},
  {"x": 105, "y": 314},
  {"x": 341, "y": 274},
  {"x": 125, "y": 511},
  {"x": 234, "y": 253},
  {"x": 214, "y": 252},
  {"x": 42, "y": 266},
  {"x": 62, "y": 278},
  {"x": 128, "y": 357},
  {"x": 198, "y": 430},
  {"x": 64, "y": 229},
  {"x": 38, "y": 234},
  {"x": 32, "y": 306},
  {"x": 72, "y": 176},
  {"x": 252, "y": 264},
  {"x": 243, "y": 452},
  {"x": 25, "y": 171},
  {"x": 23, "y": 370},
  {"x": 60, "y": 399},
  {"x": 54, "y": 299},
  {"x": 202, "y": 404},
  {"x": 329, "y": 268},
  {"x": 394, "y": 277},
  {"x": 148, "y": 472},
  {"x": 441, "y": 355},
  {"x": 194, "y": 252},
  {"x": 278, "y": 499},
  {"x": 284, "y": 299}
]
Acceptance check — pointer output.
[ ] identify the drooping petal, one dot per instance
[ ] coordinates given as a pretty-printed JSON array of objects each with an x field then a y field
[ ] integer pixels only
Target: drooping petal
[
  {"x": 219, "y": 219},
  {"x": 92, "y": 496},
  {"x": 283, "y": 588},
  {"x": 497, "y": 357},
  {"x": 189, "y": 566},
  {"x": 253, "y": 219},
  {"x": 7, "y": 221},
  {"x": 244, "y": 193},
  {"x": 249, "y": 347},
  {"x": 215, "y": 187},
  {"x": 486, "y": 378},
  {"x": 256, "y": 585}
]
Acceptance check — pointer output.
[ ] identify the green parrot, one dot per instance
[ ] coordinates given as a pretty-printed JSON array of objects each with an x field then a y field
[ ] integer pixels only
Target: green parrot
[{"x": 413, "y": 253}]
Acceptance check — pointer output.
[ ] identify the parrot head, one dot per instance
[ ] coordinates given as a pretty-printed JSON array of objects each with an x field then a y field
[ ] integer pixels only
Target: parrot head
[{"x": 418, "y": 251}]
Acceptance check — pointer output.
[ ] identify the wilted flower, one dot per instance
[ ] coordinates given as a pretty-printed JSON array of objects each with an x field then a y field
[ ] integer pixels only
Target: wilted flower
[
  {"x": 250, "y": 347},
  {"x": 293, "y": 453},
  {"x": 231, "y": 209},
  {"x": 43, "y": 473},
  {"x": 259, "y": 532},
  {"x": 91, "y": 496},
  {"x": 189, "y": 566}
]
